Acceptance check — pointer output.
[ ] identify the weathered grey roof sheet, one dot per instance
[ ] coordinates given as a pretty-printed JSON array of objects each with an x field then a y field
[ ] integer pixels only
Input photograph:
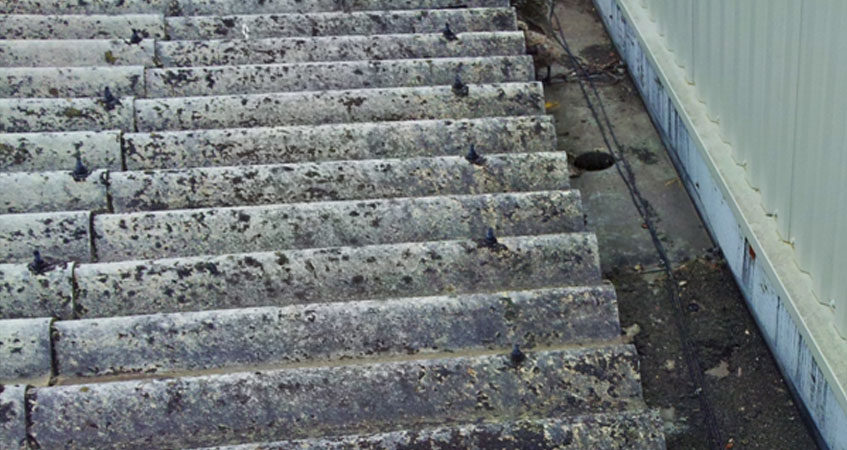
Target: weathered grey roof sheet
[{"x": 295, "y": 224}]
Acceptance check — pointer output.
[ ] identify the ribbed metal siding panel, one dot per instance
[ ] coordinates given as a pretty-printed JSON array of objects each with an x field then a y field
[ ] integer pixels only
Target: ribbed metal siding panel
[
  {"x": 728, "y": 63},
  {"x": 771, "y": 75},
  {"x": 674, "y": 21},
  {"x": 775, "y": 87},
  {"x": 680, "y": 33},
  {"x": 819, "y": 163},
  {"x": 839, "y": 287}
]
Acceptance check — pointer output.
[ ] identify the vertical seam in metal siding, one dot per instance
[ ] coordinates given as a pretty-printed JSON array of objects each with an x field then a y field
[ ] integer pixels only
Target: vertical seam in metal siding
[{"x": 789, "y": 234}]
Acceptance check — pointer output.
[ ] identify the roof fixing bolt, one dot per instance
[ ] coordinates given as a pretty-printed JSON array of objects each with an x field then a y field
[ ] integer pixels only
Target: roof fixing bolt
[
  {"x": 110, "y": 100},
  {"x": 473, "y": 157},
  {"x": 517, "y": 357},
  {"x": 136, "y": 37},
  {"x": 459, "y": 88},
  {"x": 38, "y": 265},
  {"x": 490, "y": 239},
  {"x": 80, "y": 171},
  {"x": 448, "y": 33}
]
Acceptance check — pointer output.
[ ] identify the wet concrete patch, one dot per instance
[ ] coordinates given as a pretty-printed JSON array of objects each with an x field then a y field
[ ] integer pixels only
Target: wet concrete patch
[
  {"x": 599, "y": 54},
  {"x": 643, "y": 154}
]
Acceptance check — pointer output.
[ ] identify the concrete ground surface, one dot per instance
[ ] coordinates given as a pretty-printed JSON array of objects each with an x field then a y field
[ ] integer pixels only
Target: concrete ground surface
[{"x": 750, "y": 400}]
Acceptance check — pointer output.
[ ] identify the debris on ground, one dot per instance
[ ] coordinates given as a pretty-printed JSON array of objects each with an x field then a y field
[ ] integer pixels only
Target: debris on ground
[
  {"x": 719, "y": 371},
  {"x": 753, "y": 406}
]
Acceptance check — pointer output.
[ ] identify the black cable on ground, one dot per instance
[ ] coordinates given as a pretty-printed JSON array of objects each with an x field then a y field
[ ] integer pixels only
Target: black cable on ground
[{"x": 695, "y": 370}]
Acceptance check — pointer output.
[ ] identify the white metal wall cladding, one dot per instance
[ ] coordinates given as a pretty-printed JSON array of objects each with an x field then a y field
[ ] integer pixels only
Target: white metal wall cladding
[{"x": 773, "y": 75}]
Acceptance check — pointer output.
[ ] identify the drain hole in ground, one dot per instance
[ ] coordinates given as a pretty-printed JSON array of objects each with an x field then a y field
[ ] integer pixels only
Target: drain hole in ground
[{"x": 594, "y": 161}]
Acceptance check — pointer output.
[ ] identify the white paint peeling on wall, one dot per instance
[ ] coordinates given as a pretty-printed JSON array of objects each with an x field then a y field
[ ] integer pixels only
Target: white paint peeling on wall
[{"x": 799, "y": 330}]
